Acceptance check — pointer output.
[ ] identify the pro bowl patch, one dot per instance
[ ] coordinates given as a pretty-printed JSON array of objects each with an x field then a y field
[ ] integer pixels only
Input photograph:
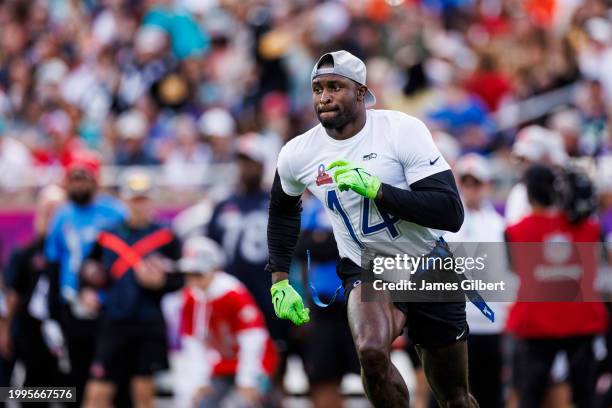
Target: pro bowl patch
[{"x": 323, "y": 177}]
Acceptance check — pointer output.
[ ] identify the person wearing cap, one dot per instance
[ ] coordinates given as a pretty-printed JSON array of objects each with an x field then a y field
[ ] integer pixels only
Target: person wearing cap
[
  {"x": 483, "y": 224},
  {"x": 238, "y": 224},
  {"x": 219, "y": 129},
  {"x": 128, "y": 270},
  {"x": 223, "y": 333},
  {"x": 70, "y": 237},
  {"x": 533, "y": 144},
  {"x": 386, "y": 188},
  {"x": 132, "y": 129}
]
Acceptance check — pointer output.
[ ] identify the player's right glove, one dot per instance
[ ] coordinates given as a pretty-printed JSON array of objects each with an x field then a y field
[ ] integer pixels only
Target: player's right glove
[{"x": 288, "y": 303}]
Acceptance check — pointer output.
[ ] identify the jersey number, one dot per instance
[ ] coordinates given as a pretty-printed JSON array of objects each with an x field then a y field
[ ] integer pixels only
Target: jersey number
[{"x": 388, "y": 221}]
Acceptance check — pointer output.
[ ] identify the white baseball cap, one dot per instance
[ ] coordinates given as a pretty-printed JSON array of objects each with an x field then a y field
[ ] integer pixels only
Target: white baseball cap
[
  {"x": 132, "y": 125},
  {"x": 535, "y": 143},
  {"x": 253, "y": 147},
  {"x": 347, "y": 65},
  {"x": 473, "y": 164},
  {"x": 217, "y": 122},
  {"x": 201, "y": 255}
]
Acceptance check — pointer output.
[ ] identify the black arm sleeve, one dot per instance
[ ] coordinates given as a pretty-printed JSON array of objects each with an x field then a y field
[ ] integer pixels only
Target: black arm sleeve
[
  {"x": 434, "y": 202},
  {"x": 283, "y": 227}
]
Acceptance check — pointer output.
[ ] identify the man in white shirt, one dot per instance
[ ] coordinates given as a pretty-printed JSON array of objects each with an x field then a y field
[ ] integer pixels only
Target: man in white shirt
[
  {"x": 482, "y": 226},
  {"x": 390, "y": 190}
]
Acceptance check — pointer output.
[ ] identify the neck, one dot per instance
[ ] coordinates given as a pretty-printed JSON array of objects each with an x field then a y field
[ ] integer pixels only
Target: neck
[
  {"x": 473, "y": 206},
  {"x": 539, "y": 209},
  {"x": 350, "y": 129},
  {"x": 138, "y": 222},
  {"x": 250, "y": 189},
  {"x": 206, "y": 281}
]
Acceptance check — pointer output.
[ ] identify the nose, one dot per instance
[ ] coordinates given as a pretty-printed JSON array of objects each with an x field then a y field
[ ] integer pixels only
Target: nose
[{"x": 325, "y": 97}]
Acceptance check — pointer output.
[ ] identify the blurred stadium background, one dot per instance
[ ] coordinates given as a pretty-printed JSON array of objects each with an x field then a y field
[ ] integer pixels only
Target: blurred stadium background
[{"x": 178, "y": 86}]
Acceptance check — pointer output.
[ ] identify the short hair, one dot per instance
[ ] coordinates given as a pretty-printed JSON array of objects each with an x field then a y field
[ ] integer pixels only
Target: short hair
[{"x": 540, "y": 182}]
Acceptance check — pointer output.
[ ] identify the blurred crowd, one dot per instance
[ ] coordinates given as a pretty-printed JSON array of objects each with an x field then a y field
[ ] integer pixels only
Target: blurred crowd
[
  {"x": 176, "y": 83},
  {"x": 198, "y": 97}
]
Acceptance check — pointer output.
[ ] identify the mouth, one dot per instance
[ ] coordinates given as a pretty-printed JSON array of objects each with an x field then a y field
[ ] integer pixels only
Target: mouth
[{"x": 328, "y": 110}]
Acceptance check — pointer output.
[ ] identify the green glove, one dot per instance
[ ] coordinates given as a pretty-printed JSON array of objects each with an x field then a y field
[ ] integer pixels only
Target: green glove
[
  {"x": 288, "y": 303},
  {"x": 354, "y": 177}
]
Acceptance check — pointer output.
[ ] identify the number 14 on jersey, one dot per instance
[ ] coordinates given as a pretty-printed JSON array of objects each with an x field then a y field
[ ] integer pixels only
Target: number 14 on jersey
[{"x": 387, "y": 222}]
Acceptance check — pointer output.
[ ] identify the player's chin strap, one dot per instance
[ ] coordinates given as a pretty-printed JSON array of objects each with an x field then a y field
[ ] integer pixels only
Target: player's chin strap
[{"x": 315, "y": 297}]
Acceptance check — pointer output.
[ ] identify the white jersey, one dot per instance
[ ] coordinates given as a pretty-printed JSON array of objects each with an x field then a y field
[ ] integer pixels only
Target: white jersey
[{"x": 395, "y": 147}]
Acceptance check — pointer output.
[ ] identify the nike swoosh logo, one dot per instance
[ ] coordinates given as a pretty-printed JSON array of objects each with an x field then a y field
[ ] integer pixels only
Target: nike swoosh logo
[
  {"x": 279, "y": 300},
  {"x": 432, "y": 162},
  {"x": 460, "y": 335}
]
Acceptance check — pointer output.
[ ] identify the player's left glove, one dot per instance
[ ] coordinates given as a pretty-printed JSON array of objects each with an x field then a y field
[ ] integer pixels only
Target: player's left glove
[
  {"x": 354, "y": 177},
  {"x": 288, "y": 303}
]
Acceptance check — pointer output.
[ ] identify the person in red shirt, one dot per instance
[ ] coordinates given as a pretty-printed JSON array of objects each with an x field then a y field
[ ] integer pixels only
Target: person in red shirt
[
  {"x": 543, "y": 327},
  {"x": 489, "y": 83},
  {"x": 222, "y": 325}
]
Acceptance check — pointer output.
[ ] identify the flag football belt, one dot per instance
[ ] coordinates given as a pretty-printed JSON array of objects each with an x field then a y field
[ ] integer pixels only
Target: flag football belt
[{"x": 441, "y": 250}]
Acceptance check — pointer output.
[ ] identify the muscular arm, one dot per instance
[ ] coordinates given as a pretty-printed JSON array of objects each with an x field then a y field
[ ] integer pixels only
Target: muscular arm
[
  {"x": 433, "y": 202},
  {"x": 283, "y": 230}
]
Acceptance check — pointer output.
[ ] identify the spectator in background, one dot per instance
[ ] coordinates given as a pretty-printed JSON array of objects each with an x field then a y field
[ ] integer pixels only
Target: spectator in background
[
  {"x": 62, "y": 144},
  {"x": 186, "y": 163},
  {"x": 485, "y": 340},
  {"x": 132, "y": 129},
  {"x": 219, "y": 128},
  {"x": 464, "y": 116},
  {"x": 591, "y": 103},
  {"x": 326, "y": 362},
  {"x": 148, "y": 64},
  {"x": 27, "y": 291},
  {"x": 232, "y": 358},
  {"x": 71, "y": 236},
  {"x": 131, "y": 262},
  {"x": 544, "y": 329},
  {"x": 15, "y": 161},
  {"x": 489, "y": 83},
  {"x": 568, "y": 124},
  {"x": 595, "y": 58},
  {"x": 239, "y": 223},
  {"x": 534, "y": 144}
]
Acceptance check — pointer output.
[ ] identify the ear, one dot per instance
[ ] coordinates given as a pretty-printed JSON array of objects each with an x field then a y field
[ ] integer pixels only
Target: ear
[{"x": 361, "y": 91}]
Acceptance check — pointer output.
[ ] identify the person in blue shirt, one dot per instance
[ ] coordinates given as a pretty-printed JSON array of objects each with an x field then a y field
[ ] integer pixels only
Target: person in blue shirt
[
  {"x": 329, "y": 350},
  {"x": 71, "y": 236},
  {"x": 131, "y": 262}
]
